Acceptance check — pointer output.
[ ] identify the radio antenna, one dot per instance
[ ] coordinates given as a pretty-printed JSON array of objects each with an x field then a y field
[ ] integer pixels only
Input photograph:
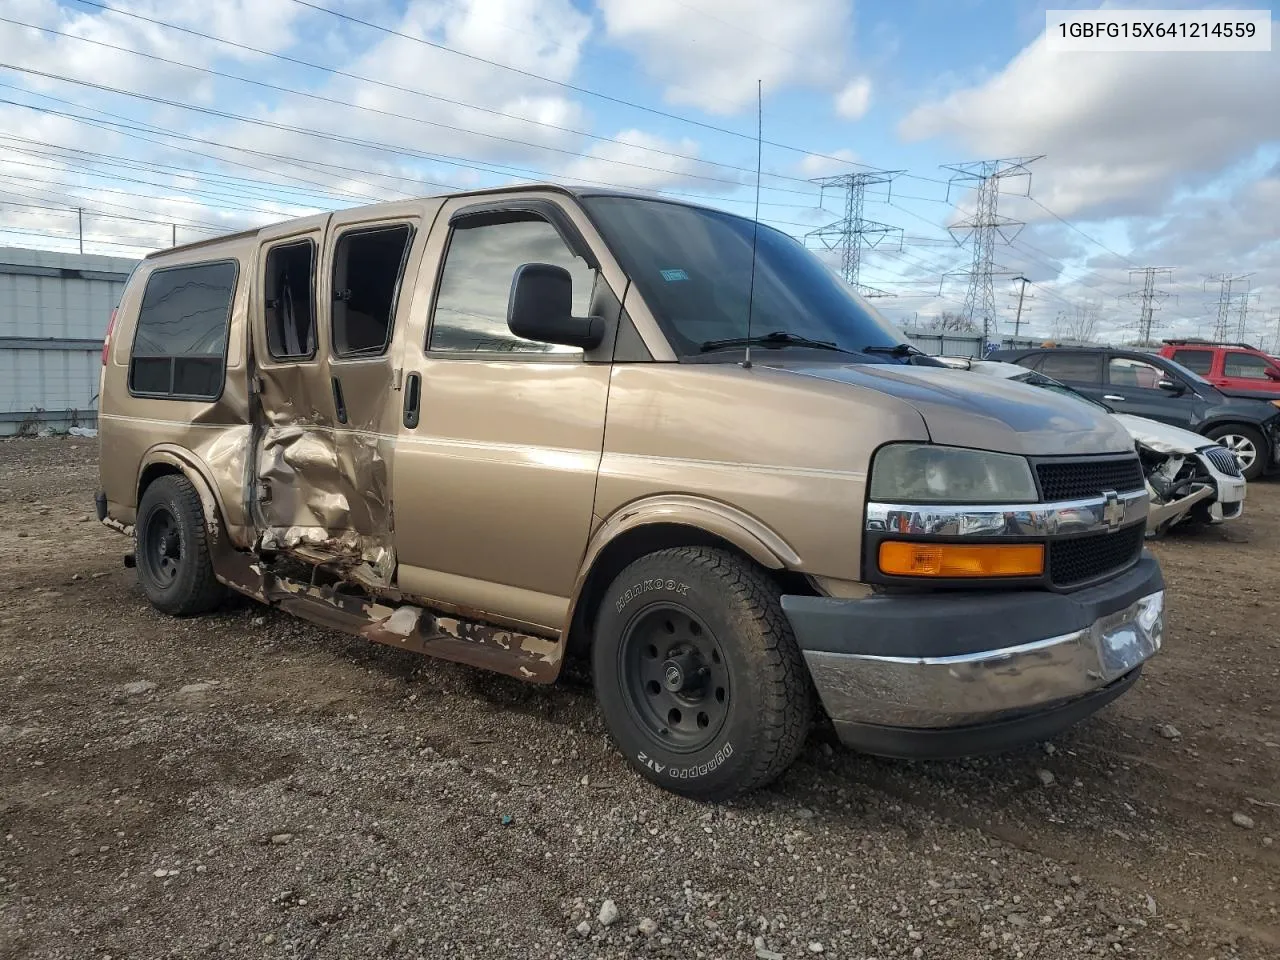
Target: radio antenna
[{"x": 755, "y": 223}]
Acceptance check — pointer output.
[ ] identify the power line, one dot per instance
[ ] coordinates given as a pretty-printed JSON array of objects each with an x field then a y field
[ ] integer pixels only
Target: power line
[{"x": 1081, "y": 232}]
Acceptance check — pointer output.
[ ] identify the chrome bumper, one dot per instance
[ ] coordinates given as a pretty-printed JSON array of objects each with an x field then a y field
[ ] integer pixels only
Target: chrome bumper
[{"x": 990, "y": 685}]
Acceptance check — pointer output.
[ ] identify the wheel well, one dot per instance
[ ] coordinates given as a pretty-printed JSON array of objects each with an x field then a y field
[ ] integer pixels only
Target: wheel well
[
  {"x": 636, "y": 543},
  {"x": 153, "y": 472}
]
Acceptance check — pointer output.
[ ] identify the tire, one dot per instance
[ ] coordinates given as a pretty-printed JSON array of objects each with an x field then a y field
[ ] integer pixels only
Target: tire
[
  {"x": 1250, "y": 450},
  {"x": 733, "y": 713},
  {"x": 175, "y": 567}
]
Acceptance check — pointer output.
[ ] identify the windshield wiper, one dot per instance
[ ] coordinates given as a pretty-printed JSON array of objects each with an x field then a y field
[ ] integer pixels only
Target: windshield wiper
[
  {"x": 777, "y": 338},
  {"x": 900, "y": 350}
]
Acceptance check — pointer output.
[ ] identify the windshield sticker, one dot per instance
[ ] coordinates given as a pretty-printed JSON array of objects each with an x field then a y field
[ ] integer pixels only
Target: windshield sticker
[{"x": 671, "y": 276}]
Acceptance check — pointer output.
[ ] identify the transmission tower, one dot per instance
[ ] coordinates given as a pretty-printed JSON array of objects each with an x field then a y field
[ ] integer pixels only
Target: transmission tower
[
  {"x": 853, "y": 233},
  {"x": 1225, "y": 281},
  {"x": 984, "y": 227},
  {"x": 1150, "y": 296},
  {"x": 1241, "y": 332}
]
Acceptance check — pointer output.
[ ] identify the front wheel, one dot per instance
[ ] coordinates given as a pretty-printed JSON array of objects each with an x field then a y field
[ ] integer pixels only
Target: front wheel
[
  {"x": 1247, "y": 445},
  {"x": 698, "y": 674}
]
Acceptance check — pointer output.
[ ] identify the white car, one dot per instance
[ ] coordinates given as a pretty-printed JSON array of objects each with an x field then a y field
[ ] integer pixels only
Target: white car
[{"x": 1188, "y": 477}]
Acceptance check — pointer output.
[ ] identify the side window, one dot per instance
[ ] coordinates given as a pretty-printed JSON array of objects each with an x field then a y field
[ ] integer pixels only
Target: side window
[
  {"x": 367, "y": 269},
  {"x": 1248, "y": 365},
  {"x": 471, "y": 305},
  {"x": 180, "y": 346},
  {"x": 289, "y": 303},
  {"x": 1077, "y": 367},
  {"x": 1197, "y": 361},
  {"x": 1127, "y": 372}
]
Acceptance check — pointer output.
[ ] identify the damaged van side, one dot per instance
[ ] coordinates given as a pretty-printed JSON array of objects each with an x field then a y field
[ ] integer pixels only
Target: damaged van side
[{"x": 511, "y": 426}]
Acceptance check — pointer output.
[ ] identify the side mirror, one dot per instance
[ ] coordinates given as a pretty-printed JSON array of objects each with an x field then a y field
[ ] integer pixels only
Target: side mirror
[
  {"x": 1173, "y": 386},
  {"x": 541, "y": 308},
  {"x": 1272, "y": 372}
]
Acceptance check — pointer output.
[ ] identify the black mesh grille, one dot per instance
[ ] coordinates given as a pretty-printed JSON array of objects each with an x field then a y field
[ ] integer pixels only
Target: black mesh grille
[
  {"x": 1078, "y": 479},
  {"x": 1224, "y": 460},
  {"x": 1086, "y": 558}
]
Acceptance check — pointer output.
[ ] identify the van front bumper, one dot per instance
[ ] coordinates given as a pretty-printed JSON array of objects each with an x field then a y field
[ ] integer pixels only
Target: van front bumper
[{"x": 957, "y": 674}]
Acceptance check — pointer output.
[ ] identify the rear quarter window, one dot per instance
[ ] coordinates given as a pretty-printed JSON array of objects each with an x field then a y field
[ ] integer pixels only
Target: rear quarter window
[{"x": 180, "y": 343}]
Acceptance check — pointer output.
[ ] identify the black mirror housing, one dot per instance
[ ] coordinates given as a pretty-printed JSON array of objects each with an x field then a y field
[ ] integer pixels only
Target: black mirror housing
[
  {"x": 1173, "y": 386},
  {"x": 541, "y": 308}
]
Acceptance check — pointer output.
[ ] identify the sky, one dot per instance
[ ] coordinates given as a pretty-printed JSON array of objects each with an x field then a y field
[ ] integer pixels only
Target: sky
[{"x": 164, "y": 119}]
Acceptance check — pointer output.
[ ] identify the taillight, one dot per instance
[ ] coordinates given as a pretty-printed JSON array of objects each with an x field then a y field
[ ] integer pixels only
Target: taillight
[{"x": 106, "y": 341}]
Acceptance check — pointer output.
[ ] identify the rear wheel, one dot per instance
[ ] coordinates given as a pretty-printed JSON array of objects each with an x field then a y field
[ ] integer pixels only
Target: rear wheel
[
  {"x": 698, "y": 675},
  {"x": 175, "y": 567},
  {"x": 1247, "y": 445}
]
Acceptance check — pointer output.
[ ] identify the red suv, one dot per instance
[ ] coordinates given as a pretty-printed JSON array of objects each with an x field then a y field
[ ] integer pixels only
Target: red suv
[{"x": 1236, "y": 369}]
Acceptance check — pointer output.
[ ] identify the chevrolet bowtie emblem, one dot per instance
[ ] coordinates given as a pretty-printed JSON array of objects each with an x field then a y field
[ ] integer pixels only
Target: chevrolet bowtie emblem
[{"x": 1113, "y": 512}]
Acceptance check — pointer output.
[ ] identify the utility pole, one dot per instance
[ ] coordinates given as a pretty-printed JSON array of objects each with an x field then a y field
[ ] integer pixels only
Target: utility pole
[
  {"x": 80, "y": 221},
  {"x": 1022, "y": 291},
  {"x": 175, "y": 233},
  {"x": 853, "y": 233},
  {"x": 1150, "y": 296},
  {"x": 1225, "y": 282},
  {"x": 982, "y": 229}
]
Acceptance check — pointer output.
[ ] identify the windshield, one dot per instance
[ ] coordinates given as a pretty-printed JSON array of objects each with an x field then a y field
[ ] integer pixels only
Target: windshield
[
  {"x": 1186, "y": 373},
  {"x": 693, "y": 267}
]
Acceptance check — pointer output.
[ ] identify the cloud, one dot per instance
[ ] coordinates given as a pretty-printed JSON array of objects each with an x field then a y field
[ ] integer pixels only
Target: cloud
[
  {"x": 1120, "y": 131},
  {"x": 853, "y": 101},
  {"x": 636, "y": 148},
  {"x": 711, "y": 56}
]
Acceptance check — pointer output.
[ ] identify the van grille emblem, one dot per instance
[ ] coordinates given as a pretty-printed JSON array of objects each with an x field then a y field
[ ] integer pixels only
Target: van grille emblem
[{"x": 1113, "y": 512}]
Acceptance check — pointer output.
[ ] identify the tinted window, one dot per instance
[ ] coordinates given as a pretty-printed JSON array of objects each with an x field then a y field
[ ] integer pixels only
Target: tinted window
[
  {"x": 289, "y": 305},
  {"x": 1248, "y": 365},
  {"x": 367, "y": 266},
  {"x": 1128, "y": 372},
  {"x": 1080, "y": 367},
  {"x": 694, "y": 268},
  {"x": 471, "y": 307},
  {"x": 179, "y": 349},
  {"x": 1198, "y": 360}
]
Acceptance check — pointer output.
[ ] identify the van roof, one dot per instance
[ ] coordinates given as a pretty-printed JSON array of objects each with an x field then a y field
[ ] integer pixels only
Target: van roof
[{"x": 568, "y": 189}]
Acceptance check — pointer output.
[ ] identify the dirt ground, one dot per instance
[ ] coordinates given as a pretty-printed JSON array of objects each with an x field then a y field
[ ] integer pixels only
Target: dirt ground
[{"x": 247, "y": 785}]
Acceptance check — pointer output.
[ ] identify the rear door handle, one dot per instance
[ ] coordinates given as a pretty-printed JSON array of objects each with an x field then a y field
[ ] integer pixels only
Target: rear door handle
[
  {"x": 1111, "y": 396},
  {"x": 339, "y": 404}
]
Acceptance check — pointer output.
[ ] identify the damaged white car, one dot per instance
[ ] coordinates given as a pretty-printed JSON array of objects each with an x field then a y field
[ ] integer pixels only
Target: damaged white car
[{"x": 1189, "y": 478}]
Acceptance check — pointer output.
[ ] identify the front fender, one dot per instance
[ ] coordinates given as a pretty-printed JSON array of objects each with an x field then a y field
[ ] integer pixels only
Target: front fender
[{"x": 728, "y": 523}]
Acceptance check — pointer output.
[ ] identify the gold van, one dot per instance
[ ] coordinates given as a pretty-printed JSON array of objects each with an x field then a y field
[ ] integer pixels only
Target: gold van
[{"x": 512, "y": 426}]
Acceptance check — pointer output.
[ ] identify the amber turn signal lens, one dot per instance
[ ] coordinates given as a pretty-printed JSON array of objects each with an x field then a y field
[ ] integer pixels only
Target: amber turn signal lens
[{"x": 961, "y": 559}]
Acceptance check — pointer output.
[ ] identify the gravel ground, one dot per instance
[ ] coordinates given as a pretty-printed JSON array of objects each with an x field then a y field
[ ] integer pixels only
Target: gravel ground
[{"x": 247, "y": 785}]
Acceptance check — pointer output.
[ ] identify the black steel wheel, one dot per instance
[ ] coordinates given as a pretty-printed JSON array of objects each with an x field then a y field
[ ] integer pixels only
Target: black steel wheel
[
  {"x": 160, "y": 546},
  {"x": 697, "y": 673},
  {"x": 175, "y": 567},
  {"x": 676, "y": 679}
]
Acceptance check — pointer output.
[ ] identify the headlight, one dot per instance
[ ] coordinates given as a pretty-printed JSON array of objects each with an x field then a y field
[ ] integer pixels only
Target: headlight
[{"x": 924, "y": 473}]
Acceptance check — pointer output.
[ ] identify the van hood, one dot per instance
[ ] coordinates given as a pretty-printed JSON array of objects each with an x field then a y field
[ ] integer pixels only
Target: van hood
[{"x": 986, "y": 413}]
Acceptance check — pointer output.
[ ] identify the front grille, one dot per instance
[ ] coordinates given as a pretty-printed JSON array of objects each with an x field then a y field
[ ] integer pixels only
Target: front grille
[
  {"x": 1087, "y": 558},
  {"x": 1224, "y": 460},
  {"x": 1079, "y": 479}
]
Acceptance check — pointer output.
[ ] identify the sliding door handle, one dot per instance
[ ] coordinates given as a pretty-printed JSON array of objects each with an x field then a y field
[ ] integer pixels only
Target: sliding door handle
[{"x": 412, "y": 400}]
